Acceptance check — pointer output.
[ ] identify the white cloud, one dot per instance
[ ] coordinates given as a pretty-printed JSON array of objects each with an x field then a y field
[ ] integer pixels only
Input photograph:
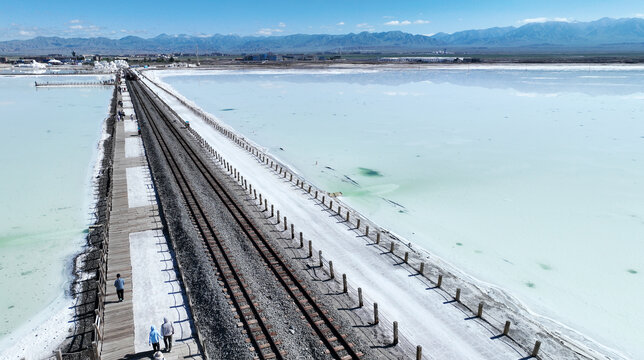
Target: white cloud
[
  {"x": 641, "y": 16},
  {"x": 340, "y": 23},
  {"x": 366, "y": 27},
  {"x": 544, "y": 19},
  {"x": 268, "y": 31},
  {"x": 282, "y": 25},
  {"x": 76, "y": 27},
  {"x": 405, "y": 22},
  {"x": 26, "y": 33},
  {"x": 75, "y": 21}
]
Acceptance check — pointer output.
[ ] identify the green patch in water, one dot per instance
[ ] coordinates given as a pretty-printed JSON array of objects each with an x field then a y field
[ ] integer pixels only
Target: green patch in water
[
  {"x": 530, "y": 284},
  {"x": 478, "y": 251},
  {"x": 85, "y": 231},
  {"x": 11, "y": 307},
  {"x": 631, "y": 271},
  {"x": 369, "y": 172},
  {"x": 459, "y": 244},
  {"x": 545, "y": 266},
  {"x": 25, "y": 273},
  {"x": 228, "y": 109}
]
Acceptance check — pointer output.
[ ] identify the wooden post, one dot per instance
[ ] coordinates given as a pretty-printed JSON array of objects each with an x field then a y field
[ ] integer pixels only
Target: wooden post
[
  {"x": 98, "y": 332},
  {"x": 260, "y": 198},
  {"x": 59, "y": 354},
  {"x": 344, "y": 283},
  {"x": 316, "y": 194},
  {"x": 506, "y": 328},
  {"x": 358, "y": 225},
  {"x": 310, "y": 249},
  {"x": 266, "y": 206},
  {"x": 391, "y": 248},
  {"x": 347, "y": 215},
  {"x": 330, "y": 204},
  {"x": 395, "y": 333},
  {"x": 320, "y": 257},
  {"x": 419, "y": 352},
  {"x": 479, "y": 313},
  {"x": 440, "y": 281},
  {"x": 272, "y": 210},
  {"x": 331, "y": 274},
  {"x": 278, "y": 215},
  {"x": 292, "y": 232},
  {"x": 301, "y": 240},
  {"x": 309, "y": 189},
  {"x": 97, "y": 356},
  {"x": 422, "y": 268},
  {"x": 255, "y": 195},
  {"x": 378, "y": 237},
  {"x": 366, "y": 230},
  {"x": 360, "y": 304},
  {"x": 406, "y": 256},
  {"x": 458, "y": 295},
  {"x": 537, "y": 346},
  {"x": 285, "y": 225},
  {"x": 291, "y": 177},
  {"x": 376, "y": 318},
  {"x": 339, "y": 209}
]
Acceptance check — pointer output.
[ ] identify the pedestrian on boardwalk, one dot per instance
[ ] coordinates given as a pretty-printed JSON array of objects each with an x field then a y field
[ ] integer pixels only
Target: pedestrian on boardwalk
[
  {"x": 167, "y": 330},
  {"x": 155, "y": 338},
  {"x": 119, "y": 284}
]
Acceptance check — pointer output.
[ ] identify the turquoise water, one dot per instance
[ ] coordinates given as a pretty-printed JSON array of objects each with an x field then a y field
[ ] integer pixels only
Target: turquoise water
[
  {"x": 527, "y": 178},
  {"x": 48, "y": 145}
]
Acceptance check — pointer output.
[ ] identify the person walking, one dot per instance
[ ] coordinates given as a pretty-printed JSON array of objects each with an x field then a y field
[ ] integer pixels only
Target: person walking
[
  {"x": 119, "y": 284},
  {"x": 155, "y": 338},
  {"x": 167, "y": 330}
]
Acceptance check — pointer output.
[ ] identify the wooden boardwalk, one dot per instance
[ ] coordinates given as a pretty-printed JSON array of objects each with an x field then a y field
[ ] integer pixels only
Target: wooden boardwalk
[{"x": 119, "y": 319}]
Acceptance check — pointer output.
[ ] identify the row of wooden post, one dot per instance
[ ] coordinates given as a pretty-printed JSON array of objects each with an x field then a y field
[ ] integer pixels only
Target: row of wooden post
[{"x": 300, "y": 183}]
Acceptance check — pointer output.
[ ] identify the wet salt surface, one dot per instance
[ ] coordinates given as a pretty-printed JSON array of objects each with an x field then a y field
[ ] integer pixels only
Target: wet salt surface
[
  {"x": 47, "y": 154},
  {"x": 527, "y": 179}
]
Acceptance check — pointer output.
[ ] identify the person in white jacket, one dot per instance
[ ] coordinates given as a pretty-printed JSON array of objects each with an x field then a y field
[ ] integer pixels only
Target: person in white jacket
[{"x": 167, "y": 330}]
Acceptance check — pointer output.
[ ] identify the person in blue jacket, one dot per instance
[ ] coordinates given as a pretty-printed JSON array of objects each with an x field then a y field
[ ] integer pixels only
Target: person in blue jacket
[
  {"x": 119, "y": 284},
  {"x": 155, "y": 338}
]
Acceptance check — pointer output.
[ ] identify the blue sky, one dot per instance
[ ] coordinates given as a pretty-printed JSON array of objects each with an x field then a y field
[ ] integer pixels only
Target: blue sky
[{"x": 115, "y": 19}]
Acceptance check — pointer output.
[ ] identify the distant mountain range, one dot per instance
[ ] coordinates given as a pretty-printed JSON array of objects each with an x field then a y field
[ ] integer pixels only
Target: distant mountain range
[{"x": 604, "y": 35}]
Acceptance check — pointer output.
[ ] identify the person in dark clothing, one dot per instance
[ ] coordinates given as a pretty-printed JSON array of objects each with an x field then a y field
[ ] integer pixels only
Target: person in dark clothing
[
  {"x": 167, "y": 330},
  {"x": 119, "y": 284}
]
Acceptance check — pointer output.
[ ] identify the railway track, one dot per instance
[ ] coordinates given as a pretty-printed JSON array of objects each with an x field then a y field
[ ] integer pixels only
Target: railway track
[{"x": 256, "y": 327}]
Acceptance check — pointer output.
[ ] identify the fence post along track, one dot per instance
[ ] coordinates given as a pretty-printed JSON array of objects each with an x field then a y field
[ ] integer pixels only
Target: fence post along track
[{"x": 337, "y": 346}]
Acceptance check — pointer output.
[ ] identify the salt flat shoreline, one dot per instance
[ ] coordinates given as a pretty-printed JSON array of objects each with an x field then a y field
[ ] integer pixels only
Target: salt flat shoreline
[
  {"x": 575, "y": 345},
  {"x": 54, "y": 325}
]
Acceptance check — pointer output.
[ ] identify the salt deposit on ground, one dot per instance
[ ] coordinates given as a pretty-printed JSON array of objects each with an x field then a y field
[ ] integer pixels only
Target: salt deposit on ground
[
  {"x": 139, "y": 186},
  {"x": 133, "y": 147},
  {"x": 156, "y": 292}
]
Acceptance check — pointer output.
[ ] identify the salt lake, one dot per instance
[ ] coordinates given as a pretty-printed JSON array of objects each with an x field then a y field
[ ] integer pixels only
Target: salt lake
[
  {"x": 48, "y": 147},
  {"x": 526, "y": 177}
]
